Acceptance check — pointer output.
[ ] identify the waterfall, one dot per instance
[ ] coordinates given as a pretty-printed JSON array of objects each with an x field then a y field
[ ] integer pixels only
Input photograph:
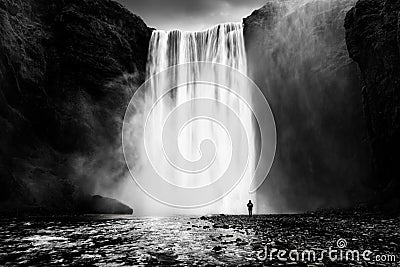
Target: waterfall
[{"x": 223, "y": 44}]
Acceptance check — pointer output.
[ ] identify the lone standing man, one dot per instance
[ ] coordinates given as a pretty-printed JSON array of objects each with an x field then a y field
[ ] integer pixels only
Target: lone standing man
[{"x": 250, "y": 208}]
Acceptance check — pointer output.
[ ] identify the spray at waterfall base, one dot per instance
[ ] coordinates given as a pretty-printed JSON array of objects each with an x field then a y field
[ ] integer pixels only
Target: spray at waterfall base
[{"x": 190, "y": 131}]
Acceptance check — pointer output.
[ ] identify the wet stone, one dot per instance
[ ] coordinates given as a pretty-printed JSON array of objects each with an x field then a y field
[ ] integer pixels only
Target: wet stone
[
  {"x": 128, "y": 240},
  {"x": 217, "y": 248}
]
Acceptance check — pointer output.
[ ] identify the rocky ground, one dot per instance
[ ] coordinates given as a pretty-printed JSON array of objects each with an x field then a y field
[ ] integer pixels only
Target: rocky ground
[
  {"x": 319, "y": 231},
  {"x": 102, "y": 240}
]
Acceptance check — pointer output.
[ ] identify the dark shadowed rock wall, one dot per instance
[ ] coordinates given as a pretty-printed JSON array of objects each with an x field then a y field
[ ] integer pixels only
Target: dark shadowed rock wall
[
  {"x": 62, "y": 64},
  {"x": 297, "y": 55},
  {"x": 373, "y": 41}
]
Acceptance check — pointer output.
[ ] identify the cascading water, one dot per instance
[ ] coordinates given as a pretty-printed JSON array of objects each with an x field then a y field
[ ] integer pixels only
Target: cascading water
[{"x": 223, "y": 44}]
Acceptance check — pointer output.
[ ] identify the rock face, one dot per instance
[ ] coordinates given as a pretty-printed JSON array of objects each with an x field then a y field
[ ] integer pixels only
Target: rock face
[
  {"x": 64, "y": 84},
  {"x": 104, "y": 205},
  {"x": 373, "y": 41},
  {"x": 297, "y": 56}
]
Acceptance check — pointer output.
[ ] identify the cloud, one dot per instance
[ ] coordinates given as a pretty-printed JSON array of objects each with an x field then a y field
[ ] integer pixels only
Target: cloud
[{"x": 190, "y": 14}]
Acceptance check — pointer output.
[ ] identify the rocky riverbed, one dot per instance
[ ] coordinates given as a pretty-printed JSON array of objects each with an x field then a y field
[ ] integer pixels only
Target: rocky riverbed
[{"x": 105, "y": 240}]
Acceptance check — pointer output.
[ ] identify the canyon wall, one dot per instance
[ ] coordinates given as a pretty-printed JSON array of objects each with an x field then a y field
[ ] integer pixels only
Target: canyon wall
[
  {"x": 373, "y": 41},
  {"x": 66, "y": 70},
  {"x": 68, "y": 67},
  {"x": 297, "y": 56}
]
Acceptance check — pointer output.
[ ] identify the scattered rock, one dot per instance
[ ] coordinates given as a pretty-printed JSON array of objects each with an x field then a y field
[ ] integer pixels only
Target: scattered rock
[
  {"x": 217, "y": 248},
  {"x": 242, "y": 243}
]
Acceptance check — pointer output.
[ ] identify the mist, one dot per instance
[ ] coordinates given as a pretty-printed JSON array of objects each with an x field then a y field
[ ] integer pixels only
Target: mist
[
  {"x": 103, "y": 168},
  {"x": 300, "y": 62}
]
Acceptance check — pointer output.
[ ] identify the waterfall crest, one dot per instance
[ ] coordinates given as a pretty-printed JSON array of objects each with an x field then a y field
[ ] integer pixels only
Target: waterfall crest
[{"x": 222, "y": 44}]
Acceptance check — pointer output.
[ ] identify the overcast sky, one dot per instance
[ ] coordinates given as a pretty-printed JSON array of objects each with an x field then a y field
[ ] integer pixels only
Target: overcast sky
[{"x": 191, "y": 15}]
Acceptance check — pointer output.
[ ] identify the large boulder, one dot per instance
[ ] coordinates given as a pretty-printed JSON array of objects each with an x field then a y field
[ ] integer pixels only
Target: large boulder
[
  {"x": 373, "y": 41},
  {"x": 104, "y": 205},
  {"x": 66, "y": 68}
]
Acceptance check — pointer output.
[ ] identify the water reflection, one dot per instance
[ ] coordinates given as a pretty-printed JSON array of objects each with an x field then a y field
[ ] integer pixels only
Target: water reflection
[{"x": 118, "y": 240}]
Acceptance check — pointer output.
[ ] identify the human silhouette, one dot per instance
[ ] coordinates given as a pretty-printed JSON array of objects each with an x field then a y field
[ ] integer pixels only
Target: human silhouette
[{"x": 250, "y": 208}]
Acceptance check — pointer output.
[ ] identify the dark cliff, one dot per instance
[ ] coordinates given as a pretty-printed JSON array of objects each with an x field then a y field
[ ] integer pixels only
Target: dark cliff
[
  {"x": 373, "y": 41},
  {"x": 65, "y": 67},
  {"x": 297, "y": 55}
]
